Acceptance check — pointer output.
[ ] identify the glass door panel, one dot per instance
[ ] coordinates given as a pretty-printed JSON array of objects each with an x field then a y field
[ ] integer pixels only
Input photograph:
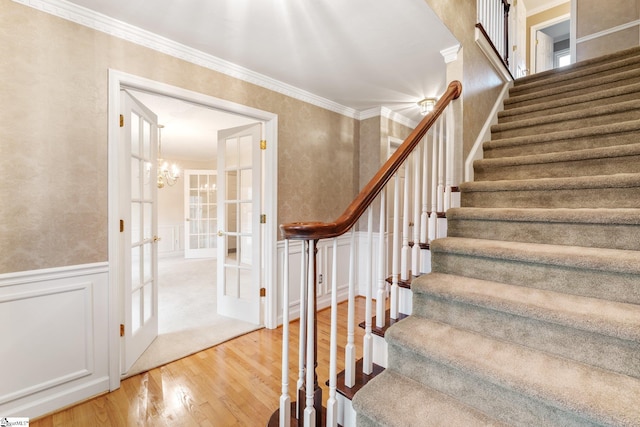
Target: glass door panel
[{"x": 200, "y": 213}]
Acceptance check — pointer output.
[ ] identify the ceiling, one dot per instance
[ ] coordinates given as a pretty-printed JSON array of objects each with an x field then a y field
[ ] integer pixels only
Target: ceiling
[{"x": 360, "y": 54}]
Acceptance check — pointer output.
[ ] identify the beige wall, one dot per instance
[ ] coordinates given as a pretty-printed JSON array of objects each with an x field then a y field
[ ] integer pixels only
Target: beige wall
[
  {"x": 53, "y": 126},
  {"x": 538, "y": 18},
  {"x": 594, "y": 16},
  {"x": 481, "y": 83}
]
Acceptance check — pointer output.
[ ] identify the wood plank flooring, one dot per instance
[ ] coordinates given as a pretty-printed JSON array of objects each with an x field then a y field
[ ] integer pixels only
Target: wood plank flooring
[{"x": 237, "y": 383}]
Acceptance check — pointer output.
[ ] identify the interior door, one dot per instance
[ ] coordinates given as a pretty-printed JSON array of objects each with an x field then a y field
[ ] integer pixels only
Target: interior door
[
  {"x": 139, "y": 129},
  {"x": 239, "y": 235},
  {"x": 201, "y": 224},
  {"x": 544, "y": 52}
]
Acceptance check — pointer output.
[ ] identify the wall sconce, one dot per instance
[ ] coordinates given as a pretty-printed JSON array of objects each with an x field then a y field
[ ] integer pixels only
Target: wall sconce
[{"x": 427, "y": 105}]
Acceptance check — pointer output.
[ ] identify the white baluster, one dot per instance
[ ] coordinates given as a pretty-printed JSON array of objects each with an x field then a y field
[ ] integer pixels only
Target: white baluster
[
  {"x": 424, "y": 216},
  {"x": 404, "y": 258},
  {"x": 367, "y": 341},
  {"x": 285, "y": 399},
  {"x": 450, "y": 159},
  {"x": 395, "y": 255},
  {"x": 350, "y": 348},
  {"x": 433, "y": 217},
  {"x": 415, "y": 253},
  {"x": 381, "y": 297},
  {"x": 309, "y": 410},
  {"x": 332, "y": 402},
  {"x": 303, "y": 325},
  {"x": 441, "y": 154}
]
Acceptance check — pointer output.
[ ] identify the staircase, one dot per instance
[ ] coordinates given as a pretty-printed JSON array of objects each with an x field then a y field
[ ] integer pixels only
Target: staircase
[{"x": 531, "y": 315}]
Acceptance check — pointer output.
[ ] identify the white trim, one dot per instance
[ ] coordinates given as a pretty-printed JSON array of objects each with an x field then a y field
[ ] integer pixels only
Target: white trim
[
  {"x": 386, "y": 113},
  {"x": 546, "y": 6},
  {"x": 23, "y": 277},
  {"x": 497, "y": 63},
  {"x": 485, "y": 133},
  {"x": 541, "y": 26},
  {"x": 117, "y": 80},
  {"x": 122, "y": 30},
  {"x": 573, "y": 30},
  {"x": 609, "y": 31},
  {"x": 450, "y": 54}
]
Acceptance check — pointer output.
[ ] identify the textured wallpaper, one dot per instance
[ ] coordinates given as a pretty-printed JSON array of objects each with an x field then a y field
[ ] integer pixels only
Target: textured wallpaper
[{"x": 53, "y": 122}]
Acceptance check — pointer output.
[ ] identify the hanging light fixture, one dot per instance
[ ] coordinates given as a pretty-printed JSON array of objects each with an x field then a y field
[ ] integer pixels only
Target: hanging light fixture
[
  {"x": 167, "y": 175},
  {"x": 427, "y": 105}
]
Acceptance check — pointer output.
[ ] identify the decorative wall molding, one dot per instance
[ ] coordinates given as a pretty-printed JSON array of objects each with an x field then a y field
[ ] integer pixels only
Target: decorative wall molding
[
  {"x": 122, "y": 30},
  {"x": 450, "y": 54},
  {"x": 609, "y": 31},
  {"x": 54, "y": 324}
]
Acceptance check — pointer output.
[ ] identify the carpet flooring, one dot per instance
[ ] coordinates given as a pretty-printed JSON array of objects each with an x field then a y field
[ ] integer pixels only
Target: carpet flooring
[{"x": 188, "y": 321}]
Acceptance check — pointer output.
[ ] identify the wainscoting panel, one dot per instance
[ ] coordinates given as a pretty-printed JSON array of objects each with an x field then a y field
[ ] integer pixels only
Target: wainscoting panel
[
  {"x": 54, "y": 330},
  {"x": 323, "y": 273}
]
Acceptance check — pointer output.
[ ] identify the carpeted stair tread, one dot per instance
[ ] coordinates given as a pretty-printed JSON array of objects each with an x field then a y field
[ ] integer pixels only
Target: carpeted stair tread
[
  {"x": 577, "y": 257},
  {"x": 565, "y": 76},
  {"x": 589, "y": 114},
  {"x": 582, "y": 68},
  {"x": 565, "y": 139},
  {"x": 575, "y": 102},
  {"x": 595, "y": 315},
  {"x": 602, "y": 228},
  {"x": 597, "y": 395},
  {"x": 563, "y": 156},
  {"x": 575, "y": 88},
  {"x": 414, "y": 405},
  {"x": 623, "y": 180},
  {"x": 585, "y": 162},
  {"x": 583, "y": 215}
]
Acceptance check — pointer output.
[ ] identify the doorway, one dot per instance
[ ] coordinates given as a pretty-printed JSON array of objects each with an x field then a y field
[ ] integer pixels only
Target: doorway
[
  {"x": 551, "y": 44},
  {"x": 118, "y": 80}
]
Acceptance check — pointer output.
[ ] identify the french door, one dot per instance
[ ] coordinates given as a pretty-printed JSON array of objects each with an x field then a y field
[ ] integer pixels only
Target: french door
[
  {"x": 138, "y": 193},
  {"x": 239, "y": 233},
  {"x": 201, "y": 213}
]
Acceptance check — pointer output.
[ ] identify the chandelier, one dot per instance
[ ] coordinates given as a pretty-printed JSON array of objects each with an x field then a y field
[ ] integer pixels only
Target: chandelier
[{"x": 167, "y": 175}]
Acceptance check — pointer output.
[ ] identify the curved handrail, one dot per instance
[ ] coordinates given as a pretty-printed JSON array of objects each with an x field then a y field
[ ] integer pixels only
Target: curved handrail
[{"x": 323, "y": 230}]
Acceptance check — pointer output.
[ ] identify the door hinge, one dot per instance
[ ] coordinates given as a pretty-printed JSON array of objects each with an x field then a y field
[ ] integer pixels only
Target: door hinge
[
  {"x": 121, "y": 121},
  {"x": 263, "y": 219},
  {"x": 122, "y": 225},
  {"x": 121, "y": 330},
  {"x": 263, "y": 144},
  {"x": 263, "y": 292}
]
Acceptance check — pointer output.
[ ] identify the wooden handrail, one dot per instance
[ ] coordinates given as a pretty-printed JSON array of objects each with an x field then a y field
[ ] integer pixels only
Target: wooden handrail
[{"x": 324, "y": 230}]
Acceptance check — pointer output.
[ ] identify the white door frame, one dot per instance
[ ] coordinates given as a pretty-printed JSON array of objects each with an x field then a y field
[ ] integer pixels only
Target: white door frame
[
  {"x": 542, "y": 26},
  {"x": 119, "y": 80}
]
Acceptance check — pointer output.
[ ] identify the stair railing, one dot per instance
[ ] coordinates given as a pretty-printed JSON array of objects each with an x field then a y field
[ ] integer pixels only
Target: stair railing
[
  {"x": 493, "y": 22},
  {"x": 429, "y": 144}
]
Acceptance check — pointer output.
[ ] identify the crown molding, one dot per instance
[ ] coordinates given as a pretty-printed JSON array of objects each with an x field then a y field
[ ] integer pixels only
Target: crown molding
[
  {"x": 122, "y": 30},
  {"x": 388, "y": 114},
  {"x": 545, "y": 6}
]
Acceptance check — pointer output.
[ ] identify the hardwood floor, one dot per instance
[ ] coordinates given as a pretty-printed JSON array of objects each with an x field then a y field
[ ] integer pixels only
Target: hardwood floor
[{"x": 237, "y": 383}]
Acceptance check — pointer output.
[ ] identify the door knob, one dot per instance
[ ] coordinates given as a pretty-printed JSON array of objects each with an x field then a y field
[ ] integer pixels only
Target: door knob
[
  {"x": 156, "y": 239},
  {"x": 220, "y": 233}
]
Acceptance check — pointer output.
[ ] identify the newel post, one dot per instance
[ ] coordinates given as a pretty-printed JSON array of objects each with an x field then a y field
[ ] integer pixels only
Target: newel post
[{"x": 310, "y": 392}]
